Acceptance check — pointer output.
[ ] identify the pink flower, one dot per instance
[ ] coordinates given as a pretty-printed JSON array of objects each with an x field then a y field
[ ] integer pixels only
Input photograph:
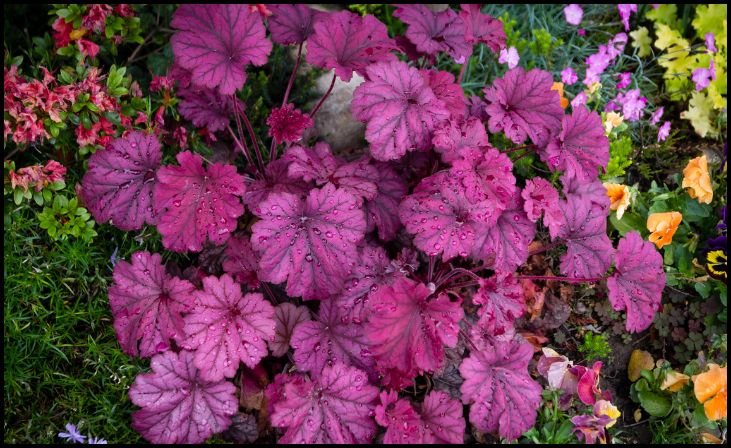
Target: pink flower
[
  {"x": 568, "y": 76},
  {"x": 633, "y": 105},
  {"x": 711, "y": 43},
  {"x": 124, "y": 10},
  {"x": 657, "y": 115},
  {"x": 702, "y": 76},
  {"x": 181, "y": 136},
  {"x": 625, "y": 10},
  {"x": 581, "y": 32},
  {"x": 159, "y": 83},
  {"x": 624, "y": 80},
  {"x": 62, "y": 34},
  {"x": 88, "y": 48},
  {"x": 579, "y": 100},
  {"x": 663, "y": 132},
  {"x": 574, "y": 14},
  {"x": 287, "y": 124},
  {"x": 509, "y": 56},
  {"x": 95, "y": 19},
  {"x": 588, "y": 385},
  {"x": 592, "y": 428}
]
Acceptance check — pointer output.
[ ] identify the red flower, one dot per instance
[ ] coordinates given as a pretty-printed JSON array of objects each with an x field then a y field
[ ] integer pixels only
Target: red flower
[
  {"x": 88, "y": 48},
  {"x": 287, "y": 124},
  {"x": 62, "y": 34}
]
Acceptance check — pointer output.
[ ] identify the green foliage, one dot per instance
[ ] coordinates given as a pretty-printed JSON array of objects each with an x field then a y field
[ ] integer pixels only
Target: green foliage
[
  {"x": 65, "y": 218},
  {"x": 620, "y": 151},
  {"x": 553, "y": 426},
  {"x": 595, "y": 347}
]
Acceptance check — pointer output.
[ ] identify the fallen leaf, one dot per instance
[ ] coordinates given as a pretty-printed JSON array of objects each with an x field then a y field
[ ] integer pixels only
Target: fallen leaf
[{"x": 639, "y": 360}]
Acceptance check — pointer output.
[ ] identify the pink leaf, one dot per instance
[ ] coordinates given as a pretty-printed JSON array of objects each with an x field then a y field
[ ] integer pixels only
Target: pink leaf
[
  {"x": 286, "y": 319},
  {"x": 482, "y": 28},
  {"x": 588, "y": 248},
  {"x": 539, "y": 196},
  {"x": 241, "y": 261},
  {"x": 226, "y": 327},
  {"x": 287, "y": 124},
  {"x": 503, "y": 397},
  {"x": 446, "y": 91},
  {"x": 178, "y": 405},
  {"x": 502, "y": 301},
  {"x": 637, "y": 284},
  {"x": 487, "y": 175},
  {"x": 194, "y": 202},
  {"x": 505, "y": 245},
  {"x": 408, "y": 329},
  {"x": 310, "y": 243},
  {"x": 119, "y": 183},
  {"x": 433, "y": 32},
  {"x": 207, "y": 108},
  {"x": 441, "y": 218},
  {"x": 346, "y": 42},
  {"x": 332, "y": 338},
  {"x": 580, "y": 148},
  {"x": 440, "y": 419},
  {"x": 400, "y": 109},
  {"x": 334, "y": 408},
  {"x": 456, "y": 135},
  {"x": 292, "y": 23},
  {"x": 382, "y": 211},
  {"x": 148, "y": 304},
  {"x": 523, "y": 105},
  {"x": 217, "y": 42},
  {"x": 277, "y": 180}
]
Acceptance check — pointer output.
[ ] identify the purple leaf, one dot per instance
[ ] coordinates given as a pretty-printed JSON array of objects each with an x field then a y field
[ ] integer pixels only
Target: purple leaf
[
  {"x": 310, "y": 243},
  {"x": 505, "y": 245},
  {"x": 292, "y": 23},
  {"x": 382, "y": 211},
  {"x": 539, "y": 196},
  {"x": 194, "y": 202},
  {"x": 447, "y": 91},
  {"x": 440, "y": 419},
  {"x": 581, "y": 146},
  {"x": 400, "y": 109},
  {"x": 337, "y": 407},
  {"x": 482, "y": 28},
  {"x": 241, "y": 261},
  {"x": 226, "y": 327},
  {"x": 523, "y": 105},
  {"x": 408, "y": 329},
  {"x": 593, "y": 191},
  {"x": 286, "y": 319},
  {"x": 487, "y": 175},
  {"x": 207, "y": 108},
  {"x": 503, "y": 397},
  {"x": 277, "y": 180},
  {"x": 347, "y": 42},
  {"x": 441, "y": 219},
  {"x": 119, "y": 183},
  {"x": 217, "y": 42},
  {"x": 332, "y": 338},
  {"x": 442, "y": 415},
  {"x": 583, "y": 226},
  {"x": 147, "y": 305},
  {"x": 433, "y": 32},
  {"x": 637, "y": 284},
  {"x": 178, "y": 405},
  {"x": 456, "y": 135},
  {"x": 501, "y": 301}
]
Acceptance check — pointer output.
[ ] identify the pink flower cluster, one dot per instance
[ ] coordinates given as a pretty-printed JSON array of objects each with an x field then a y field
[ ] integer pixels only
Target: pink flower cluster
[
  {"x": 95, "y": 21},
  {"x": 37, "y": 176}
]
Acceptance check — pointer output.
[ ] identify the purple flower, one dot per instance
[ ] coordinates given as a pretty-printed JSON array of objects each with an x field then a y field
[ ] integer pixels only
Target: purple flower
[
  {"x": 581, "y": 32},
  {"x": 97, "y": 441},
  {"x": 574, "y": 14},
  {"x": 509, "y": 56},
  {"x": 591, "y": 428},
  {"x": 711, "y": 43},
  {"x": 615, "y": 46},
  {"x": 579, "y": 100},
  {"x": 633, "y": 105},
  {"x": 625, "y": 10},
  {"x": 568, "y": 76},
  {"x": 624, "y": 80},
  {"x": 702, "y": 76},
  {"x": 657, "y": 115},
  {"x": 72, "y": 435},
  {"x": 663, "y": 132}
]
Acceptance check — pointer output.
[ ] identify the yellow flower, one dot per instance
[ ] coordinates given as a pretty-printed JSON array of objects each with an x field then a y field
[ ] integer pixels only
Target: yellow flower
[
  {"x": 558, "y": 86},
  {"x": 696, "y": 178},
  {"x": 611, "y": 121},
  {"x": 619, "y": 197},
  {"x": 674, "y": 381},
  {"x": 603, "y": 407},
  {"x": 77, "y": 34},
  {"x": 710, "y": 389},
  {"x": 663, "y": 227},
  {"x": 594, "y": 87}
]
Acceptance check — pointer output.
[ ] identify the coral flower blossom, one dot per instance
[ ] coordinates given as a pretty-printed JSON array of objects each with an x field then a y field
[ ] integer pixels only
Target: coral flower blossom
[
  {"x": 611, "y": 121},
  {"x": 558, "y": 86},
  {"x": 697, "y": 180},
  {"x": 710, "y": 389},
  {"x": 663, "y": 227},
  {"x": 619, "y": 197}
]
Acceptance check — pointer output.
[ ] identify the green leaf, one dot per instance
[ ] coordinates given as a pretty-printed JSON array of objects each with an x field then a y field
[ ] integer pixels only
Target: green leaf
[
  {"x": 629, "y": 222},
  {"x": 18, "y": 196},
  {"x": 703, "y": 288},
  {"x": 47, "y": 195},
  {"x": 38, "y": 197},
  {"x": 655, "y": 404},
  {"x": 694, "y": 211}
]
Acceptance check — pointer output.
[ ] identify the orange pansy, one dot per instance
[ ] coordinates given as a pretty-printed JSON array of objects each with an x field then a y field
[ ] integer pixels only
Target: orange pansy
[
  {"x": 619, "y": 197},
  {"x": 663, "y": 227},
  {"x": 674, "y": 381},
  {"x": 710, "y": 389},
  {"x": 611, "y": 121},
  {"x": 697, "y": 180},
  {"x": 558, "y": 86}
]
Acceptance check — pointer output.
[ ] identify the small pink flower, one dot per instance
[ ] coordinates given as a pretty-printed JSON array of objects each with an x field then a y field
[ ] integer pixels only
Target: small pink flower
[
  {"x": 625, "y": 10},
  {"x": 509, "y": 56},
  {"x": 287, "y": 124},
  {"x": 574, "y": 14},
  {"x": 588, "y": 386},
  {"x": 568, "y": 76},
  {"x": 711, "y": 43},
  {"x": 88, "y": 48},
  {"x": 624, "y": 80},
  {"x": 581, "y": 32},
  {"x": 702, "y": 76},
  {"x": 579, "y": 100},
  {"x": 657, "y": 115},
  {"x": 663, "y": 132}
]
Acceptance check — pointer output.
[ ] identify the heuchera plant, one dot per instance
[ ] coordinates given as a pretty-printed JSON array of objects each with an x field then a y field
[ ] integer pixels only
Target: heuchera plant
[{"x": 360, "y": 274}]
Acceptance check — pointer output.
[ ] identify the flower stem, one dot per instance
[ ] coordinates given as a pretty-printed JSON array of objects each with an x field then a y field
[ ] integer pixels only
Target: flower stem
[
  {"x": 530, "y": 146},
  {"x": 259, "y": 158},
  {"x": 242, "y": 147},
  {"x": 461, "y": 72},
  {"x": 330, "y": 89},
  {"x": 543, "y": 248},
  {"x": 293, "y": 75},
  {"x": 562, "y": 279}
]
